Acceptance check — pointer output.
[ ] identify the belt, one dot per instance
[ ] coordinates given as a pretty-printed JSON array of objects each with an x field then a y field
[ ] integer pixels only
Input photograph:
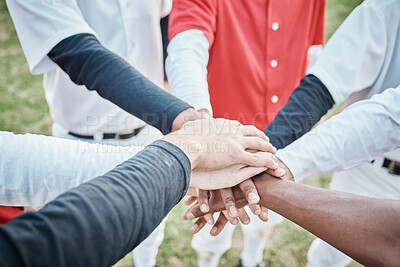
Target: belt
[
  {"x": 392, "y": 166},
  {"x": 116, "y": 136}
]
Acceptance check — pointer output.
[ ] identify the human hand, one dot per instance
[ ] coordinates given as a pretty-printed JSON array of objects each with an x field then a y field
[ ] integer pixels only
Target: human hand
[
  {"x": 247, "y": 187},
  {"x": 249, "y": 191},
  {"x": 223, "y": 219},
  {"x": 231, "y": 176},
  {"x": 287, "y": 174},
  {"x": 218, "y": 203},
  {"x": 214, "y": 144}
]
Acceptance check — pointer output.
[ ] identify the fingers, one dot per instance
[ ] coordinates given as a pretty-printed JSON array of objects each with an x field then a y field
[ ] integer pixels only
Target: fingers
[
  {"x": 229, "y": 202},
  {"x": 264, "y": 214},
  {"x": 280, "y": 172},
  {"x": 251, "y": 130},
  {"x": 203, "y": 200},
  {"x": 198, "y": 225},
  {"x": 246, "y": 173},
  {"x": 195, "y": 212},
  {"x": 258, "y": 143},
  {"x": 233, "y": 221},
  {"x": 250, "y": 191},
  {"x": 192, "y": 213},
  {"x": 244, "y": 218},
  {"x": 192, "y": 192},
  {"x": 219, "y": 225},
  {"x": 257, "y": 159},
  {"x": 189, "y": 201},
  {"x": 192, "y": 196},
  {"x": 256, "y": 209},
  {"x": 209, "y": 218}
]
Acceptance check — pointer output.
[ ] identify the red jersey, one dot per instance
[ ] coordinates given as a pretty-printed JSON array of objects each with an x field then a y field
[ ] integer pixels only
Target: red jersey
[
  {"x": 258, "y": 51},
  {"x": 8, "y": 213}
]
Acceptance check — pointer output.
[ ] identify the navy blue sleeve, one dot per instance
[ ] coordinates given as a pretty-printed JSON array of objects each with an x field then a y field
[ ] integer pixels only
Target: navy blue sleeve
[
  {"x": 88, "y": 63},
  {"x": 305, "y": 107},
  {"x": 99, "y": 222}
]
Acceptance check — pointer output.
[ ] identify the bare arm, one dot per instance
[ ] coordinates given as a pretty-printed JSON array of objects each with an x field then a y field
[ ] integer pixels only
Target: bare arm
[{"x": 366, "y": 229}]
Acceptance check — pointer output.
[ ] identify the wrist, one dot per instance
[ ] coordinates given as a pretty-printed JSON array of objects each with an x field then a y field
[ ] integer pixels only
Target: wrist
[
  {"x": 190, "y": 148},
  {"x": 269, "y": 188},
  {"x": 187, "y": 115}
]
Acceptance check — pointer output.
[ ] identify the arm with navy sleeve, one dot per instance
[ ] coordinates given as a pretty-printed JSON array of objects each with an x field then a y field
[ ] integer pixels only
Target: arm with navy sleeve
[
  {"x": 99, "y": 222},
  {"x": 61, "y": 36},
  {"x": 360, "y": 133},
  {"x": 352, "y": 61},
  {"x": 35, "y": 169},
  {"x": 88, "y": 63},
  {"x": 305, "y": 107}
]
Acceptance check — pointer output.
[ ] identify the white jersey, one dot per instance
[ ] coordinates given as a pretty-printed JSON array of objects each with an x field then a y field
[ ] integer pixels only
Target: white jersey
[
  {"x": 362, "y": 59},
  {"x": 129, "y": 28}
]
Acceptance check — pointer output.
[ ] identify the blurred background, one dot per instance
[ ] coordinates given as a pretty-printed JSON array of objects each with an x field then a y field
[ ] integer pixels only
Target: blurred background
[{"x": 23, "y": 109}]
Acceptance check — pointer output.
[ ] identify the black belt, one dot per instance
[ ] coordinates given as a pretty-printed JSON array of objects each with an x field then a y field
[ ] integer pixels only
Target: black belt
[
  {"x": 116, "y": 136},
  {"x": 392, "y": 165}
]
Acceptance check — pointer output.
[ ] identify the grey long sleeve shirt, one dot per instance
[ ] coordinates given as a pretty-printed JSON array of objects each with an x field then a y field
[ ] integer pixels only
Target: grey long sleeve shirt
[{"x": 99, "y": 222}]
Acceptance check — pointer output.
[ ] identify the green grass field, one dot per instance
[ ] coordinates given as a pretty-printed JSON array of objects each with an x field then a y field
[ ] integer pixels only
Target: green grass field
[{"x": 23, "y": 109}]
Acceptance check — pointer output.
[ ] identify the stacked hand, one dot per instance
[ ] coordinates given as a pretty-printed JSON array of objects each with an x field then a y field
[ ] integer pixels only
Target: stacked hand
[
  {"x": 224, "y": 154},
  {"x": 218, "y": 203}
]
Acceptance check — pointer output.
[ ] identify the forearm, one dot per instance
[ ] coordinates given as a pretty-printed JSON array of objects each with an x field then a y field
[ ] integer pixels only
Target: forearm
[
  {"x": 364, "y": 228},
  {"x": 307, "y": 104},
  {"x": 186, "y": 67},
  {"x": 99, "y": 222},
  {"x": 35, "y": 169},
  {"x": 359, "y": 134},
  {"x": 88, "y": 63}
]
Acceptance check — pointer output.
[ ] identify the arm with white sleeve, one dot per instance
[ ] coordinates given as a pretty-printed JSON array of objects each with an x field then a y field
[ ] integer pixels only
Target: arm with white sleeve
[
  {"x": 357, "y": 135},
  {"x": 186, "y": 68},
  {"x": 34, "y": 169}
]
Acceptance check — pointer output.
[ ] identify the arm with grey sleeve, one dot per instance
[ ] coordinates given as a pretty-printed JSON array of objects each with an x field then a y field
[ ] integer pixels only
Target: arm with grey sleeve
[
  {"x": 99, "y": 222},
  {"x": 35, "y": 169}
]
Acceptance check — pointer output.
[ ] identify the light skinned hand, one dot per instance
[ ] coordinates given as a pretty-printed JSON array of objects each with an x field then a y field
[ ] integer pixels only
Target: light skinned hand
[
  {"x": 231, "y": 175},
  {"x": 215, "y": 144},
  {"x": 187, "y": 115}
]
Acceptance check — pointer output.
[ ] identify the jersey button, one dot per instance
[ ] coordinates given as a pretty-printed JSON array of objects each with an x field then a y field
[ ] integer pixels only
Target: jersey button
[
  {"x": 274, "y": 99},
  {"x": 275, "y": 26},
  {"x": 274, "y": 63}
]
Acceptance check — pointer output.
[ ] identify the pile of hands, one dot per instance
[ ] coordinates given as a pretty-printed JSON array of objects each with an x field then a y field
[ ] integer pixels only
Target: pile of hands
[{"x": 224, "y": 156}]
